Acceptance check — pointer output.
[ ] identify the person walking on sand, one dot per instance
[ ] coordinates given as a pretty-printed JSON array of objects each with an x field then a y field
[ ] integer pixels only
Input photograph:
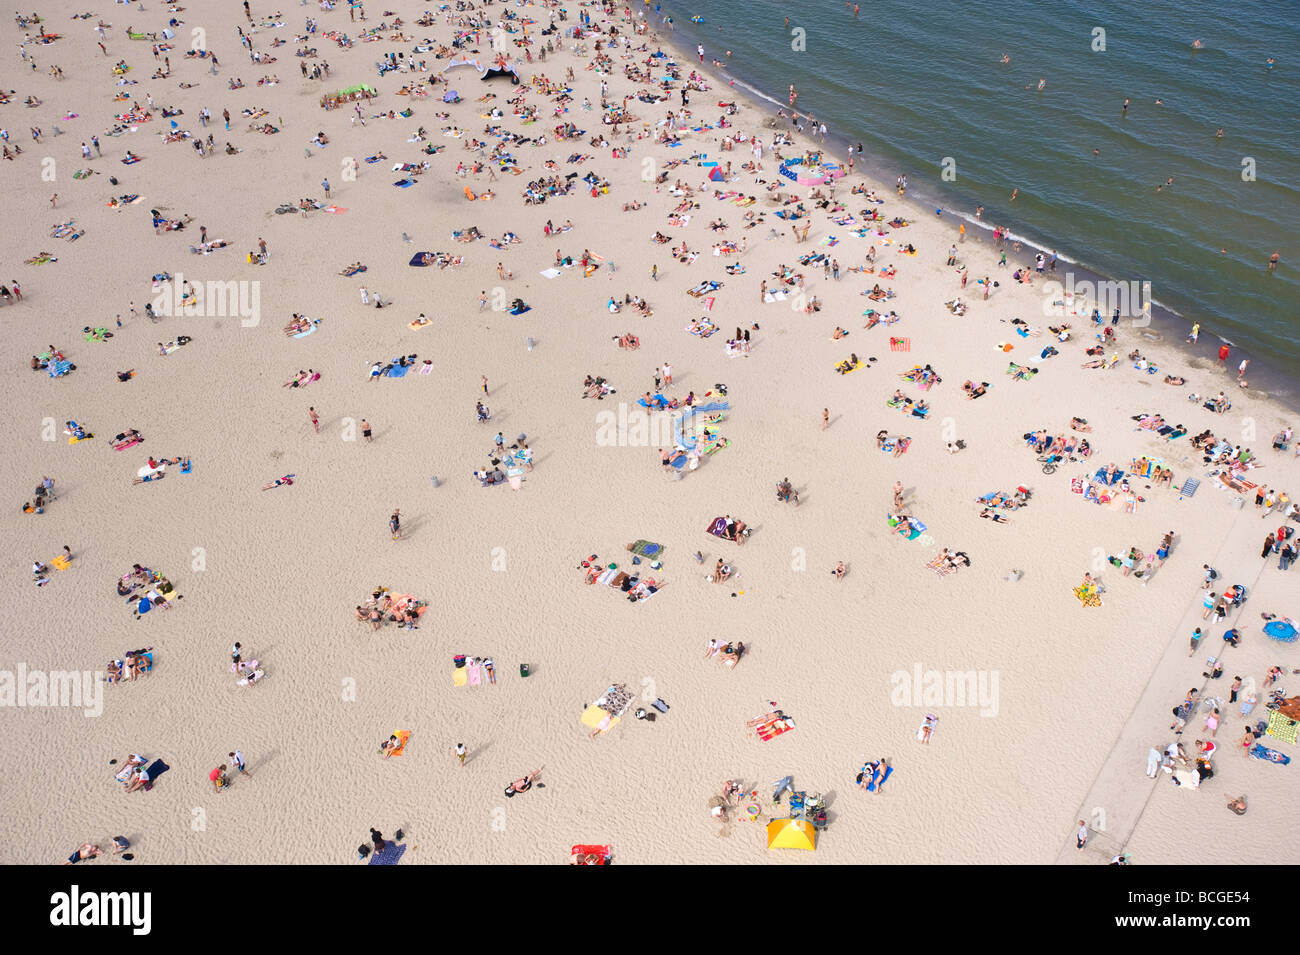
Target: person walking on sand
[
  {"x": 365, "y": 430},
  {"x": 461, "y": 753},
  {"x": 315, "y": 419},
  {"x": 483, "y": 378},
  {"x": 395, "y": 524},
  {"x": 238, "y": 758},
  {"x": 898, "y": 495},
  {"x": 1081, "y": 837},
  {"x": 826, "y": 418},
  {"x": 668, "y": 374},
  {"x": 1241, "y": 369}
]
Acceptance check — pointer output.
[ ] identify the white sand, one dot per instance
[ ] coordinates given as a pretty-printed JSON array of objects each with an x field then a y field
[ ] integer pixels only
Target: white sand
[{"x": 1082, "y": 693}]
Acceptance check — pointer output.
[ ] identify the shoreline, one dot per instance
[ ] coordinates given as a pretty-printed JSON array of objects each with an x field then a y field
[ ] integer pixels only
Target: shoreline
[{"x": 1267, "y": 381}]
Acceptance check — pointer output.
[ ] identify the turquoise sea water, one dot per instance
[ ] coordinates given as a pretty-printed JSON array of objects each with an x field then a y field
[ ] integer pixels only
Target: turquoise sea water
[{"x": 915, "y": 83}]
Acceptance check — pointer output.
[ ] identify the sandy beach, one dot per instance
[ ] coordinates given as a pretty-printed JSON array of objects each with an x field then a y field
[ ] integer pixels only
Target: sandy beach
[{"x": 1067, "y": 700}]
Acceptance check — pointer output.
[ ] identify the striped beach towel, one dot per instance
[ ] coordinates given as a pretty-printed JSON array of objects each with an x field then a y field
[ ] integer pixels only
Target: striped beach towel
[
  {"x": 1282, "y": 727},
  {"x": 900, "y": 344}
]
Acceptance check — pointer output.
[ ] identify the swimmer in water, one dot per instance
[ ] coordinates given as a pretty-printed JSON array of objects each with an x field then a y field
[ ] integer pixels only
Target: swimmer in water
[
  {"x": 1197, "y": 45},
  {"x": 1160, "y": 102},
  {"x": 1096, "y": 152},
  {"x": 1219, "y": 134},
  {"x": 1042, "y": 84},
  {"x": 1125, "y": 109},
  {"x": 1004, "y": 59},
  {"x": 1015, "y": 192},
  {"x": 1268, "y": 63}
]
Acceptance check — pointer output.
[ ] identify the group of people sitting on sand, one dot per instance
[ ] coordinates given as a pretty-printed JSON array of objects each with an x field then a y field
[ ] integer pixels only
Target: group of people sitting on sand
[{"x": 132, "y": 665}]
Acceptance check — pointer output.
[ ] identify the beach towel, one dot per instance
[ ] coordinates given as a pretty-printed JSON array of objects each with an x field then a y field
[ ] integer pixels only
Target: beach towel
[
  {"x": 521, "y": 309},
  {"x": 879, "y": 780},
  {"x": 1282, "y": 727},
  {"x": 1088, "y": 596},
  {"x": 390, "y": 854},
  {"x": 770, "y": 731},
  {"x": 647, "y": 548},
  {"x": 1282, "y": 631},
  {"x": 475, "y": 673},
  {"x": 459, "y": 676},
  {"x": 900, "y": 344},
  {"x": 1260, "y": 751},
  {"x": 598, "y": 719},
  {"x": 158, "y": 767},
  {"x": 63, "y": 562},
  {"x": 550, "y": 273},
  {"x": 404, "y": 183},
  {"x": 402, "y": 737},
  {"x": 775, "y": 295},
  {"x": 303, "y": 334},
  {"x": 398, "y": 371}
]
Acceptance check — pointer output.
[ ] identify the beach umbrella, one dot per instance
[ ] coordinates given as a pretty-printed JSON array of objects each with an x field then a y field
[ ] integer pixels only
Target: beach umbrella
[{"x": 791, "y": 834}]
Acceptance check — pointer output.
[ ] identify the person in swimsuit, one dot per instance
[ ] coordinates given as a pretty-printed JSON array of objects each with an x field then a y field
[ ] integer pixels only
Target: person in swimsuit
[
  {"x": 84, "y": 851},
  {"x": 523, "y": 784}
]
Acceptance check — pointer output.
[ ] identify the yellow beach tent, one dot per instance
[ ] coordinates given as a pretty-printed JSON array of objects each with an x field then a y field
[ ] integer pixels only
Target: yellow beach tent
[{"x": 791, "y": 834}]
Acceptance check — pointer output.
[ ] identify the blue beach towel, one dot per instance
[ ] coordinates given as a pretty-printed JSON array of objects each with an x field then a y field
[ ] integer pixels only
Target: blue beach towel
[
  {"x": 403, "y": 184},
  {"x": 871, "y": 786},
  {"x": 1281, "y": 630},
  {"x": 398, "y": 371},
  {"x": 390, "y": 854}
]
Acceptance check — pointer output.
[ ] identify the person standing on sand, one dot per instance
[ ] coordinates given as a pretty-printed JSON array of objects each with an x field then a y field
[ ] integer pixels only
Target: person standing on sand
[
  {"x": 461, "y": 752},
  {"x": 395, "y": 524},
  {"x": 484, "y": 380},
  {"x": 1082, "y": 835},
  {"x": 898, "y": 495},
  {"x": 315, "y": 419},
  {"x": 826, "y": 418},
  {"x": 238, "y": 758},
  {"x": 365, "y": 430}
]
